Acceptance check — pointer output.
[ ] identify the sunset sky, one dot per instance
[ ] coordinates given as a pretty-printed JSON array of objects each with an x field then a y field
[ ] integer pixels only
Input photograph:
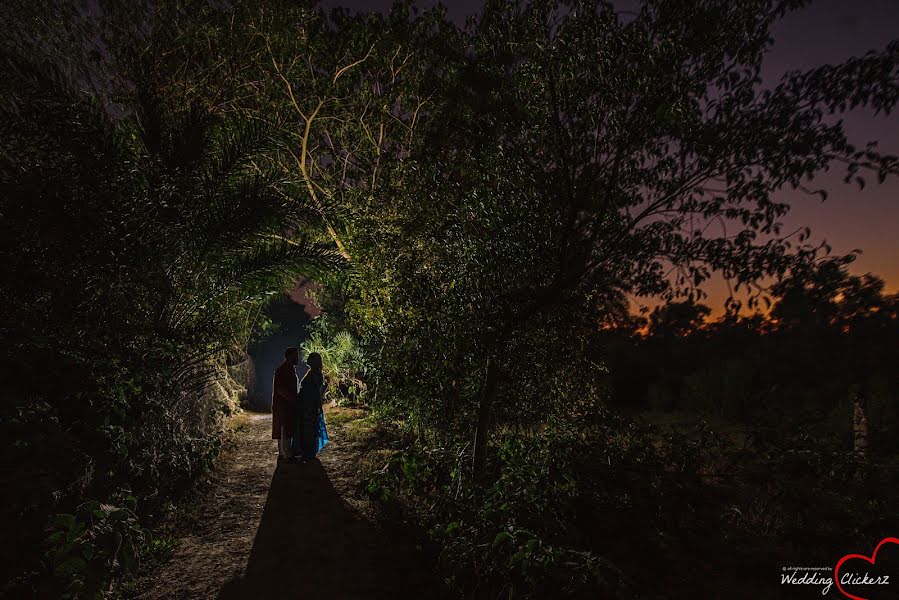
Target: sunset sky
[{"x": 828, "y": 31}]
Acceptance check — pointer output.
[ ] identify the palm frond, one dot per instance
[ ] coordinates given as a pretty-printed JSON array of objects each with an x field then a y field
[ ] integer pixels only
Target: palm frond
[
  {"x": 243, "y": 142},
  {"x": 274, "y": 262}
]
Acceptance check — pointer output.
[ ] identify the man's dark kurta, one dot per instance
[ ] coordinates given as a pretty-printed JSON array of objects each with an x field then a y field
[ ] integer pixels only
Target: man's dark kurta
[{"x": 284, "y": 401}]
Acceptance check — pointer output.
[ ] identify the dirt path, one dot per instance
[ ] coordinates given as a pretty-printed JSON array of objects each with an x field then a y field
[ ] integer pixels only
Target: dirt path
[{"x": 293, "y": 530}]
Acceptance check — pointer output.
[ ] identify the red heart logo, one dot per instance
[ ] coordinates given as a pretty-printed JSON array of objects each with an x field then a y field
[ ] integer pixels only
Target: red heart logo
[{"x": 836, "y": 570}]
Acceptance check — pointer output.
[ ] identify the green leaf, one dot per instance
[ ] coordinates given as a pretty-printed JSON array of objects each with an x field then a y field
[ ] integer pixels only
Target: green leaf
[
  {"x": 501, "y": 537},
  {"x": 62, "y": 521},
  {"x": 70, "y": 566},
  {"x": 118, "y": 515},
  {"x": 110, "y": 542},
  {"x": 55, "y": 538}
]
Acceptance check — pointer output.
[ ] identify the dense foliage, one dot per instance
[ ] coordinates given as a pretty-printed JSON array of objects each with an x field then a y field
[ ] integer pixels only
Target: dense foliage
[
  {"x": 748, "y": 421},
  {"x": 567, "y": 157},
  {"x": 570, "y": 157},
  {"x": 343, "y": 363},
  {"x": 495, "y": 192},
  {"x": 140, "y": 240}
]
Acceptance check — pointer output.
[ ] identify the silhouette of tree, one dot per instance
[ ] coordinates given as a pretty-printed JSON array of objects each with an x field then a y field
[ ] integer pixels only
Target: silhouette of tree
[
  {"x": 572, "y": 153},
  {"x": 678, "y": 318}
]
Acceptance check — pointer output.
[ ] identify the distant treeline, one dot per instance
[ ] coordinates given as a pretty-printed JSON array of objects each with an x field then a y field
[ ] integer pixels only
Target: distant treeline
[{"x": 828, "y": 338}]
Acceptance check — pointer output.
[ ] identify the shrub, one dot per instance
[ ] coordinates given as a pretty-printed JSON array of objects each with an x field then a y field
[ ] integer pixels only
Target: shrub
[
  {"x": 343, "y": 362},
  {"x": 86, "y": 549}
]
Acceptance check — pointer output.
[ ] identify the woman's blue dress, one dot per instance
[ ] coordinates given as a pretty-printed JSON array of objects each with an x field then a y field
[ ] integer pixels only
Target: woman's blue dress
[
  {"x": 322, "y": 433},
  {"x": 311, "y": 433}
]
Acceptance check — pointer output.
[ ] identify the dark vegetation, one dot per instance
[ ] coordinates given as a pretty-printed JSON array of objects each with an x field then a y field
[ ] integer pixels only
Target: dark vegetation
[
  {"x": 739, "y": 443},
  {"x": 140, "y": 241},
  {"x": 825, "y": 339},
  {"x": 477, "y": 204}
]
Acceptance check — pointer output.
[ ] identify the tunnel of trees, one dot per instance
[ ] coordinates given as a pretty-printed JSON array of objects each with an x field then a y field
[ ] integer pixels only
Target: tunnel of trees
[{"x": 477, "y": 206}]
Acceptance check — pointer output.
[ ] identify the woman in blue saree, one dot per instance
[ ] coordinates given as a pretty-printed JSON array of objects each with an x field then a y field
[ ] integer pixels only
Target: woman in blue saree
[{"x": 311, "y": 434}]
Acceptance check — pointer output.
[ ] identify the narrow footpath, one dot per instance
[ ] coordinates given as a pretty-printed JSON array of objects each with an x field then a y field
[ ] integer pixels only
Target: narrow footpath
[{"x": 267, "y": 529}]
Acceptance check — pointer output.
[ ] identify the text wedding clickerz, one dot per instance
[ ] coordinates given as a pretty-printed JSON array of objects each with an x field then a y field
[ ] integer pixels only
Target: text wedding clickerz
[{"x": 823, "y": 576}]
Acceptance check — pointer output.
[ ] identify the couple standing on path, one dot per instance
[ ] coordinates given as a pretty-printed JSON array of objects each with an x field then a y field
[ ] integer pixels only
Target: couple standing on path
[{"x": 298, "y": 422}]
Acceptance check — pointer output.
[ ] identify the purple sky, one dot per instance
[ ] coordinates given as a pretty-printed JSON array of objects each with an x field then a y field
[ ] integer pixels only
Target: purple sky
[{"x": 828, "y": 31}]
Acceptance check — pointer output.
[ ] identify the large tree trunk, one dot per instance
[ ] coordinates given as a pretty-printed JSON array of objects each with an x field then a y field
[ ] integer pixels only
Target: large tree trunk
[
  {"x": 860, "y": 426},
  {"x": 483, "y": 430}
]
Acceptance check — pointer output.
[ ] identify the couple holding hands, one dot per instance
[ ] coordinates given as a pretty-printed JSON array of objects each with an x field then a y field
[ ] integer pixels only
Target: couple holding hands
[{"x": 298, "y": 422}]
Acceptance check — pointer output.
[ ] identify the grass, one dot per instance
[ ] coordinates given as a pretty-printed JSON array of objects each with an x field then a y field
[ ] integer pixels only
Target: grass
[
  {"x": 374, "y": 441},
  {"x": 341, "y": 416}
]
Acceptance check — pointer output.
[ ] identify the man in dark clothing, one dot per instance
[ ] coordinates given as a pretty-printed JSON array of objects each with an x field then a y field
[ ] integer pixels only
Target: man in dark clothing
[{"x": 284, "y": 402}]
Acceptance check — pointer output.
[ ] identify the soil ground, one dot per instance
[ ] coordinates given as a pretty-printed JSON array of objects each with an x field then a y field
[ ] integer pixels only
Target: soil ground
[{"x": 263, "y": 528}]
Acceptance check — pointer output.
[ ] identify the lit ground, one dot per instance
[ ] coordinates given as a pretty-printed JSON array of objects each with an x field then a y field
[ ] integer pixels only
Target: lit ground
[{"x": 260, "y": 527}]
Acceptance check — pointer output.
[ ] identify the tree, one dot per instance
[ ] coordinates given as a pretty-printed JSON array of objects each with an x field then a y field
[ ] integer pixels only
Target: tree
[
  {"x": 517, "y": 178},
  {"x": 826, "y": 308},
  {"x": 678, "y": 318},
  {"x": 651, "y": 146},
  {"x": 143, "y": 232}
]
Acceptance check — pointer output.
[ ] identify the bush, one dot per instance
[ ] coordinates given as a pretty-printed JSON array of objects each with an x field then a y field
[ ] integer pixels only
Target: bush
[
  {"x": 343, "y": 362},
  {"x": 542, "y": 525},
  {"x": 85, "y": 550}
]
